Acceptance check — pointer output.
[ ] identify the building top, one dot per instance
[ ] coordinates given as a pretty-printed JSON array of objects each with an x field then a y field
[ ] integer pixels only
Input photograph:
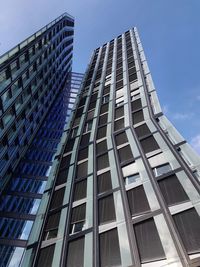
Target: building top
[{"x": 28, "y": 40}]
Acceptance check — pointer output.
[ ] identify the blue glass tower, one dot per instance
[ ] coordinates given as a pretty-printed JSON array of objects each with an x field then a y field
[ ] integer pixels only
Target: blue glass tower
[{"x": 37, "y": 93}]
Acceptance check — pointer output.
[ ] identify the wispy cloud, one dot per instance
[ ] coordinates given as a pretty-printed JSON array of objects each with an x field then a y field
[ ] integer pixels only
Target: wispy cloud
[
  {"x": 195, "y": 143},
  {"x": 182, "y": 116}
]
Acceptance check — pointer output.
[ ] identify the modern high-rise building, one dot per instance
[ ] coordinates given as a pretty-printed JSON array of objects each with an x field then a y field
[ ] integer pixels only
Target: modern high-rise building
[
  {"x": 37, "y": 93},
  {"x": 124, "y": 186}
]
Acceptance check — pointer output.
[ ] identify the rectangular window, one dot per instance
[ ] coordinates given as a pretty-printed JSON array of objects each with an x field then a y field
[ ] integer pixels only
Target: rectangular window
[
  {"x": 83, "y": 154},
  {"x": 104, "y": 108},
  {"x": 62, "y": 177},
  {"x": 103, "y": 119},
  {"x": 125, "y": 154},
  {"x": 65, "y": 162},
  {"x": 137, "y": 200},
  {"x": 106, "y": 209},
  {"x": 148, "y": 240},
  {"x": 132, "y": 178},
  {"x": 149, "y": 144},
  {"x": 85, "y": 139},
  {"x": 102, "y": 162},
  {"x": 80, "y": 190},
  {"x": 82, "y": 170},
  {"x": 162, "y": 169},
  {"x": 142, "y": 130},
  {"x": 109, "y": 249},
  {"x": 119, "y": 112},
  {"x": 101, "y": 132},
  {"x": 101, "y": 147},
  {"x": 46, "y": 256},
  {"x": 105, "y": 99},
  {"x": 138, "y": 116},
  {"x": 119, "y": 124},
  {"x": 78, "y": 219},
  {"x": 75, "y": 255},
  {"x": 88, "y": 126},
  {"x": 121, "y": 139},
  {"x": 51, "y": 227},
  {"x": 188, "y": 226},
  {"x": 104, "y": 182},
  {"x": 57, "y": 198},
  {"x": 172, "y": 190},
  {"x": 136, "y": 104}
]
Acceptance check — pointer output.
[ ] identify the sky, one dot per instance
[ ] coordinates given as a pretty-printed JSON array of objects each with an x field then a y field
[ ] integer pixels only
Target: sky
[{"x": 169, "y": 31}]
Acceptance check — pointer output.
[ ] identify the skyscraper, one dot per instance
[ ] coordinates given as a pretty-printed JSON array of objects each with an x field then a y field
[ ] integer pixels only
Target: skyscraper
[
  {"x": 37, "y": 93},
  {"x": 124, "y": 186}
]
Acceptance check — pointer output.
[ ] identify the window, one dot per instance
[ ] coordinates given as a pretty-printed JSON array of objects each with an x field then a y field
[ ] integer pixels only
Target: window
[
  {"x": 75, "y": 255},
  {"x": 88, "y": 126},
  {"x": 162, "y": 169},
  {"x": 101, "y": 132},
  {"x": 74, "y": 132},
  {"x": 136, "y": 104},
  {"x": 132, "y": 178},
  {"x": 121, "y": 138},
  {"x": 109, "y": 249},
  {"x": 125, "y": 154},
  {"x": 57, "y": 198},
  {"x": 148, "y": 240},
  {"x": 51, "y": 227},
  {"x": 8, "y": 116},
  {"x": 106, "y": 210},
  {"x": 137, "y": 200},
  {"x": 46, "y": 256},
  {"x": 83, "y": 154},
  {"x": 103, "y": 119},
  {"x": 172, "y": 190},
  {"x": 104, "y": 182},
  {"x": 65, "y": 162},
  {"x": 82, "y": 170},
  {"x": 188, "y": 225},
  {"x": 62, "y": 177},
  {"x": 142, "y": 130},
  {"x": 138, "y": 116},
  {"x": 78, "y": 219},
  {"x": 85, "y": 139},
  {"x": 149, "y": 144},
  {"x": 119, "y": 124},
  {"x": 104, "y": 108},
  {"x": 6, "y": 97},
  {"x": 102, "y": 162},
  {"x": 80, "y": 190},
  {"x": 119, "y": 112},
  {"x": 90, "y": 115},
  {"x": 101, "y": 147},
  {"x": 69, "y": 146},
  {"x": 105, "y": 99}
]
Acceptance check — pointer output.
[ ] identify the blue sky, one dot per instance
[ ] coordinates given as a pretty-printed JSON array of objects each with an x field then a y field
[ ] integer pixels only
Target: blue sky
[{"x": 169, "y": 31}]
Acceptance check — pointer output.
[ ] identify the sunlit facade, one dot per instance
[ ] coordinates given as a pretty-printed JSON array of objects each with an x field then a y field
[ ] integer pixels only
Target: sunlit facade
[{"x": 124, "y": 187}]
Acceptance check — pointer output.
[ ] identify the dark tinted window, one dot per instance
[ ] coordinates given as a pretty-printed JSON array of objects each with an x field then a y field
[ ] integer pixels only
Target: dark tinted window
[
  {"x": 82, "y": 170},
  {"x": 149, "y": 144},
  {"x": 137, "y": 199},
  {"x": 142, "y": 130},
  {"x": 80, "y": 190},
  {"x": 104, "y": 182},
  {"x": 125, "y": 154},
  {"x": 172, "y": 190},
  {"x": 106, "y": 210},
  {"x": 148, "y": 240},
  {"x": 46, "y": 256},
  {"x": 83, "y": 154},
  {"x": 109, "y": 249},
  {"x": 119, "y": 124},
  {"x": 121, "y": 138},
  {"x": 101, "y": 132},
  {"x": 85, "y": 139},
  {"x": 75, "y": 254},
  {"x": 138, "y": 117},
  {"x": 57, "y": 198},
  {"x": 62, "y": 177},
  {"x": 188, "y": 225},
  {"x": 103, "y": 119},
  {"x": 137, "y": 104},
  {"x": 102, "y": 162},
  {"x": 101, "y": 147},
  {"x": 119, "y": 112}
]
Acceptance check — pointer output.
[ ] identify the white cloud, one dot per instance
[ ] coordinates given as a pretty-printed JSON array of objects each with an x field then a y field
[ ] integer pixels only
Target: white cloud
[
  {"x": 195, "y": 143},
  {"x": 182, "y": 116}
]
